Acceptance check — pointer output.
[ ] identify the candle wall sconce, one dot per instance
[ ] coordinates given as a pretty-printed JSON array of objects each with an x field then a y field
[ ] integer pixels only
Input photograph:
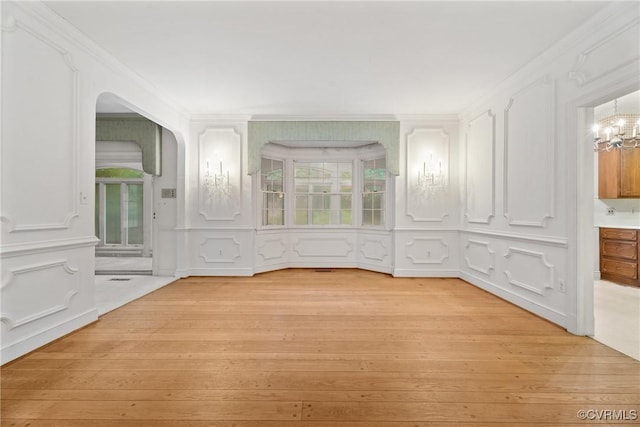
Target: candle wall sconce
[
  {"x": 220, "y": 173},
  {"x": 431, "y": 178},
  {"x": 216, "y": 182}
]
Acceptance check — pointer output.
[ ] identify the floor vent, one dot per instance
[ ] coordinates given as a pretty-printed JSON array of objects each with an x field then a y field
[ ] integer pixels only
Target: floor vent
[
  {"x": 324, "y": 270},
  {"x": 119, "y": 279}
]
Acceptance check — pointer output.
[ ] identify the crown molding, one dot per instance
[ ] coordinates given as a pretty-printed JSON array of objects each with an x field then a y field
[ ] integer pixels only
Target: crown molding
[
  {"x": 72, "y": 35},
  {"x": 603, "y": 22}
]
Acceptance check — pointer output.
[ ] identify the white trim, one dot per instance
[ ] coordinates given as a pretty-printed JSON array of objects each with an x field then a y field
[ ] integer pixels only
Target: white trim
[
  {"x": 46, "y": 335},
  {"x": 31, "y": 248}
]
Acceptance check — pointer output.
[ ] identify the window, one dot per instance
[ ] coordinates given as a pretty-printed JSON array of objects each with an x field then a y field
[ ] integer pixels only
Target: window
[
  {"x": 119, "y": 207},
  {"x": 323, "y": 193},
  {"x": 272, "y": 179},
  {"x": 374, "y": 176},
  {"x": 338, "y": 186}
]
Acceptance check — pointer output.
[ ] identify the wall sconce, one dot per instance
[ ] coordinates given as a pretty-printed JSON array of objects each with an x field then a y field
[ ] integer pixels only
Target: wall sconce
[
  {"x": 432, "y": 180},
  {"x": 217, "y": 185}
]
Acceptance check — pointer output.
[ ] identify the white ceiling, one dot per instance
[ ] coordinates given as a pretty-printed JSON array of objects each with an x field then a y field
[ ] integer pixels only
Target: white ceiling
[{"x": 325, "y": 58}]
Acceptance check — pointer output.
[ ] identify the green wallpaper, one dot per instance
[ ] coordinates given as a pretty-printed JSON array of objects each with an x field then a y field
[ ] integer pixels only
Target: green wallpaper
[
  {"x": 143, "y": 132},
  {"x": 386, "y": 133}
]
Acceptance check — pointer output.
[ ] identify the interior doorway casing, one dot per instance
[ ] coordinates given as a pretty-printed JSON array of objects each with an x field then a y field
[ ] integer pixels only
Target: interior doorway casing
[{"x": 580, "y": 298}]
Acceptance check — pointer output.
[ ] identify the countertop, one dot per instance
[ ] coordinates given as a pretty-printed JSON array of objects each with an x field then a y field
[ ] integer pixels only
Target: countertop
[{"x": 626, "y": 227}]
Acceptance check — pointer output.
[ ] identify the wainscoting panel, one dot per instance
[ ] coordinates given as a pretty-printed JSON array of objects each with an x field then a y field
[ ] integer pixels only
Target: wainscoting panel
[
  {"x": 323, "y": 247},
  {"x": 529, "y": 270},
  {"x": 426, "y": 253},
  {"x": 47, "y": 291},
  {"x": 49, "y": 75},
  {"x": 221, "y": 251},
  {"x": 529, "y": 273},
  {"x": 375, "y": 250},
  {"x": 479, "y": 256},
  {"x": 529, "y": 155},
  {"x": 480, "y": 163}
]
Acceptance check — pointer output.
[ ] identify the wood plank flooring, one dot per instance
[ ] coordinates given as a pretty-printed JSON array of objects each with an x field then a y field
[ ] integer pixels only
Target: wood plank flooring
[{"x": 301, "y": 348}]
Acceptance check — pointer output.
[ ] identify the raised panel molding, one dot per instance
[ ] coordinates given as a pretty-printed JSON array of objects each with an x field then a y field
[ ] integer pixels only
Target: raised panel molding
[
  {"x": 529, "y": 270},
  {"x": 323, "y": 247},
  {"x": 219, "y": 249},
  {"x": 422, "y": 144},
  {"x": 53, "y": 302},
  {"x": 13, "y": 196},
  {"x": 529, "y": 138},
  {"x": 272, "y": 249},
  {"x": 220, "y": 148},
  {"x": 427, "y": 250},
  {"x": 479, "y": 145},
  {"x": 581, "y": 73},
  {"x": 373, "y": 249},
  {"x": 479, "y": 256}
]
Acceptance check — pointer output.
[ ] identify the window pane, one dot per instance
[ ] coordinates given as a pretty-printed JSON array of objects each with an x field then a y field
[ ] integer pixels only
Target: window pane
[
  {"x": 135, "y": 215},
  {"x": 302, "y": 217},
  {"x": 113, "y": 231},
  {"x": 366, "y": 217},
  {"x": 302, "y": 202},
  {"x": 321, "y": 217},
  {"x": 345, "y": 217}
]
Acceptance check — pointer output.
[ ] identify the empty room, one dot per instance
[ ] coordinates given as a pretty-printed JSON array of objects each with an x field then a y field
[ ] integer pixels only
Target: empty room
[{"x": 320, "y": 213}]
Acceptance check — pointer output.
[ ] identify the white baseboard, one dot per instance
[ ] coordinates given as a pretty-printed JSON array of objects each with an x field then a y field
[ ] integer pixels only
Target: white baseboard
[
  {"x": 220, "y": 272},
  {"x": 34, "y": 341},
  {"x": 411, "y": 272},
  {"x": 545, "y": 312}
]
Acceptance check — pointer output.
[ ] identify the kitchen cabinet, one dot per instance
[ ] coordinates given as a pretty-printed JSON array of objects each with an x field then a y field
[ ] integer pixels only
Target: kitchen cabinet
[
  {"x": 619, "y": 174},
  {"x": 619, "y": 255}
]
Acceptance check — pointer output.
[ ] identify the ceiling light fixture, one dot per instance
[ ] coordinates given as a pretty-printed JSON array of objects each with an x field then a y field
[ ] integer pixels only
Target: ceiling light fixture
[{"x": 619, "y": 131}]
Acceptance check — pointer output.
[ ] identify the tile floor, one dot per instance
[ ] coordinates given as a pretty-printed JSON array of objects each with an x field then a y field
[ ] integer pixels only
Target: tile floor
[
  {"x": 120, "y": 280},
  {"x": 617, "y": 317}
]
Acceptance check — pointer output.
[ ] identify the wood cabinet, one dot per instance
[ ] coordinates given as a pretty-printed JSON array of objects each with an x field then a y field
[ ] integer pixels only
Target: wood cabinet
[
  {"x": 619, "y": 174},
  {"x": 619, "y": 255}
]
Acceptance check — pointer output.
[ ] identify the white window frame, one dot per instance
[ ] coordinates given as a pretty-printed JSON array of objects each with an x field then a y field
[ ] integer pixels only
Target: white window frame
[{"x": 356, "y": 156}]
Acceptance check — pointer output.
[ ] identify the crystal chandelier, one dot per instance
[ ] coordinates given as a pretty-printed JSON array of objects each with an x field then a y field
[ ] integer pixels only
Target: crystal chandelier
[{"x": 619, "y": 131}]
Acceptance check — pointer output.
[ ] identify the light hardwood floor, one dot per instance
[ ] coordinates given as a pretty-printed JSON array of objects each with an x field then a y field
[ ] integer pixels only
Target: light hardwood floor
[{"x": 323, "y": 349}]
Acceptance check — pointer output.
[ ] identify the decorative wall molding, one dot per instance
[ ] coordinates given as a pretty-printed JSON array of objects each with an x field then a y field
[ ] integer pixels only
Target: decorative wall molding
[
  {"x": 422, "y": 143},
  {"x": 484, "y": 266},
  {"x": 220, "y": 148},
  {"x": 32, "y": 248},
  {"x": 272, "y": 248},
  {"x": 419, "y": 249},
  {"x": 478, "y": 144},
  {"x": 582, "y": 76},
  {"x": 12, "y": 26},
  {"x": 322, "y": 247},
  {"x": 521, "y": 270},
  {"x": 373, "y": 249},
  {"x": 227, "y": 248},
  {"x": 526, "y": 134},
  {"x": 9, "y": 283},
  {"x": 545, "y": 240}
]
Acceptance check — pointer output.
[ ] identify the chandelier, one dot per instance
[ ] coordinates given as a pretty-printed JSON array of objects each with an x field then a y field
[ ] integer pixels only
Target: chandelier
[{"x": 619, "y": 131}]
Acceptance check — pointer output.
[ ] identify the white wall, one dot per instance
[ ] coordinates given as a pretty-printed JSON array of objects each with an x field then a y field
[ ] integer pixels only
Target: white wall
[
  {"x": 51, "y": 79},
  {"x": 522, "y": 245}
]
